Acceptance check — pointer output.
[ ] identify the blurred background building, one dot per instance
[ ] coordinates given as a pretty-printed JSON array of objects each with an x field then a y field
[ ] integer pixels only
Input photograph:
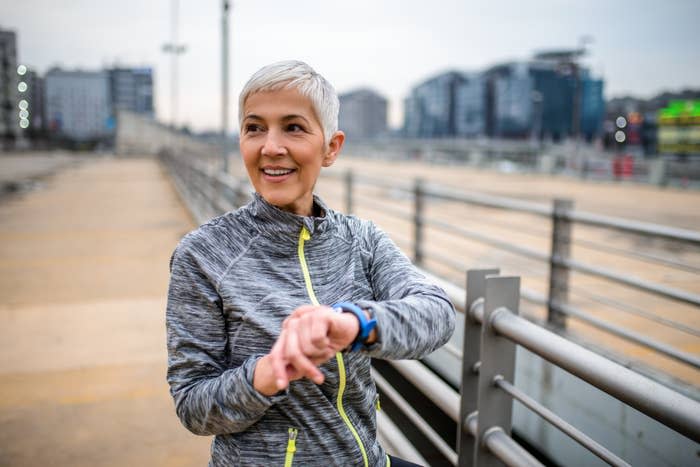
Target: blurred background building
[
  {"x": 542, "y": 98},
  {"x": 363, "y": 114},
  {"x": 9, "y": 111},
  {"x": 132, "y": 89},
  {"x": 78, "y": 104}
]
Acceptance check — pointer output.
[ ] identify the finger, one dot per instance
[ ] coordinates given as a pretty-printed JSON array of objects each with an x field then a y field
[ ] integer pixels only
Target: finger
[
  {"x": 294, "y": 355},
  {"x": 279, "y": 365},
  {"x": 303, "y": 310},
  {"x": 318, "y": 331}
]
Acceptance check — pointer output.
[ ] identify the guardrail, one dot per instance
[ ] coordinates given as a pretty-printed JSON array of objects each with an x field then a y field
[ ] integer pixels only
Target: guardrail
[
  {"x": 562, "y": 217},
  {"x": 215, "y": 192},
  {"x": 483, "y": 408},
  {"x": 492, "y": 331}
]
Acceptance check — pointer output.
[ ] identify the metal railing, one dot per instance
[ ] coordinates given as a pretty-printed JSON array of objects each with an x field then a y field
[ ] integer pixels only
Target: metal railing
[
  {"x": 493, "y": 330},
  {"x": 215, "y": 192},
  {"x": 561, "y": 217}
]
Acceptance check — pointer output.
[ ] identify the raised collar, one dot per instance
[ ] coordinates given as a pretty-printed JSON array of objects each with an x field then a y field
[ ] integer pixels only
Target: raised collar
[{"x": 271, "y": 220}]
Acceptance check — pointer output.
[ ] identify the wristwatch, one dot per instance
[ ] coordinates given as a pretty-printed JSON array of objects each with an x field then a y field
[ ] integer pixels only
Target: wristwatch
[{"x": 366, "y": 325}]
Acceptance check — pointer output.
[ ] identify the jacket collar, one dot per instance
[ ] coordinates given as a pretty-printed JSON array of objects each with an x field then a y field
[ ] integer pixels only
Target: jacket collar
[{"x": 271, "y": 220}]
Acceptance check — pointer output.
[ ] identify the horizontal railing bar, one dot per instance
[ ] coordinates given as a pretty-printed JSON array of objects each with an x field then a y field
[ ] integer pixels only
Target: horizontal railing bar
[
  {"x": 433, "y": 255},
  {"x": 645, "y": 228},
  {"x": 394, "y": 212},
  {"x": 414, "y": 417},
  {"x": 507, "y": 450},
  {"x": 626, "y": 308},
  {"x": 628, "y": 335},
  {"x": 635, "y": 282},
  {"x": 574, "y": 433},
  {"x": 456, "y": 294},
  {"x": 382, "y": 183},
  {"x": 528, "y": 252},
  {"x": 655, "y": 400},
  {"x": 487, "y": 200},
  {"x": 434, "y": 388},
  {"x": 395, "y": 440},
  {"x": 672, "y": 263}
]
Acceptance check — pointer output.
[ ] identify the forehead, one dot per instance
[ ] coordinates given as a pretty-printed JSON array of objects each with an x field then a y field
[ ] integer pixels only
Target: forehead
[{"x": 278, "y": 104}]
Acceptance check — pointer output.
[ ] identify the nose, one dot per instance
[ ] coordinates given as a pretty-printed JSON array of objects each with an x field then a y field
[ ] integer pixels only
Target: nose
[{"x": 273, "y": 145}]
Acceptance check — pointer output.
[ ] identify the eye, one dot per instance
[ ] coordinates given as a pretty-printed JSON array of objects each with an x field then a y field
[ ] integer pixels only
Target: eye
[
  {"x": 295, "y": 128},
  {"x": 252, "y": 128}
]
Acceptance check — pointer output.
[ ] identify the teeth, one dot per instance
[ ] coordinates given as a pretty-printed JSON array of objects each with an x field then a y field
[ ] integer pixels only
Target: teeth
[{"x": 277, "y": 172}]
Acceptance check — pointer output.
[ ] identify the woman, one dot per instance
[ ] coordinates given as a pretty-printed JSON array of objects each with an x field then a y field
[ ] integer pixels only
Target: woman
[{"x": 255, "y": 354}]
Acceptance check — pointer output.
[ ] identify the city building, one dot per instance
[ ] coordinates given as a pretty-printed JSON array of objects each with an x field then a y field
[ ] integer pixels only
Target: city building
[
  {"x": 528, "y": 99},
  {"x": 9, "y": 89},
  {"x": 430, "y": 109},
  {"x": 363, "y": 114},
  {"x": 470, "y": 106},
  {"x": 78, "y": 104},
  {"x": 537, "y": 99},
  {"x": 132, "y": 89}
]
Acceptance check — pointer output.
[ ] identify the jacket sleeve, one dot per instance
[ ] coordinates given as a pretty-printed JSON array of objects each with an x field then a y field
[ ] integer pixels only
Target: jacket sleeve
[
  {"x": 414, "y": 317},
  {"x": 210, "y": 398}
]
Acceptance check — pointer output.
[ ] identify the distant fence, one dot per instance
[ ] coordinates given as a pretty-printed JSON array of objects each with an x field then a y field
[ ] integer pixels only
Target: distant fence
[
  {"x": 586, "y": 161},
  {"x": 561, "y": 216},
  {"x": 493, "y": 329}
]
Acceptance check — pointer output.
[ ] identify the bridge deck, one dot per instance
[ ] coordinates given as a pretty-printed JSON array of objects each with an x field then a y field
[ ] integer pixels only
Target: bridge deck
[{"x": 83, "y": 277}]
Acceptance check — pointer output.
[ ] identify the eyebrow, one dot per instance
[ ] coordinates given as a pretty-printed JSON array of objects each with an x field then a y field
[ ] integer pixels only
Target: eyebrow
[{"x": 284, "y": 119}]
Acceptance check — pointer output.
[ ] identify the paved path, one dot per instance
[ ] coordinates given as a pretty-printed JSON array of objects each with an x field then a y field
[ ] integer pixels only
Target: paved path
[{"x": 83, "y": 279}]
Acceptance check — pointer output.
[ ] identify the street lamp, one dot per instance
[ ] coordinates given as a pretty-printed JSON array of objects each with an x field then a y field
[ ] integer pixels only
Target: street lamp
[
  {"x": 224, "y": 83},
  {"x": 175, "y": 49}
]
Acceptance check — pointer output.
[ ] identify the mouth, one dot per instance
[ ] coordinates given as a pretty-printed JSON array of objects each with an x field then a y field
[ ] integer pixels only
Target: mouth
[{"x": 276, "y": 173}]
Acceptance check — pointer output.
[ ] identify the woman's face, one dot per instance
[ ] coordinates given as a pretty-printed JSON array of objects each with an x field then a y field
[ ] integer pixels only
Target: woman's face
[{"x": 283, "y": 149}]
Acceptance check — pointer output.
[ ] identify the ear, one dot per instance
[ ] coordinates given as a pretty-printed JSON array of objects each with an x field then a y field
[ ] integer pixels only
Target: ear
[{"x": 334, "y": 147}]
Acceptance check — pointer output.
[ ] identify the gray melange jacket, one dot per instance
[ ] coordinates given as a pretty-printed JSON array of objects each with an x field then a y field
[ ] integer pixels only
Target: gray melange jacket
[{"x": 235, "y": 279}]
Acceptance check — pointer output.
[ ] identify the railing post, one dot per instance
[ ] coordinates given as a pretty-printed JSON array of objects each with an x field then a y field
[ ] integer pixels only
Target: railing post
[
  {"x": 418, "y": 207},
  {"x": 349, "y": 182},
  {"x": 558, "y": 273},
  {"x": 494, "y": 406},
  {"x": 469, "y": 391}
]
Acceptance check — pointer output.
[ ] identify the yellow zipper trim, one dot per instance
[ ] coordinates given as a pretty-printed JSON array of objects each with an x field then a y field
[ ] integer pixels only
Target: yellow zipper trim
[
  {"x": 303, "y": 237},
  {"x": 291, "y": 447}
]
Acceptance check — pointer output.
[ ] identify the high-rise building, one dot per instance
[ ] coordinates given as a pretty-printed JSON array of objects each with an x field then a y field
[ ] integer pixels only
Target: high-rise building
[
  {"x": 539, "y": 99},
  {"x": 430, "y": 109},
  {"x": 470, "y": 106},
  {"x": 363, "y": 114},
  {"x": 78, "y": 104},
  {"x": 132, "y": 89},
  {"x": 526, "y": 99},
  {"x": 9, "y": 92}
]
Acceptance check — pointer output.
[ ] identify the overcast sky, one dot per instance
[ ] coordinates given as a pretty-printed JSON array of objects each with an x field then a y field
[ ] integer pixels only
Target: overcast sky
[{"x": 639, "y": 47}]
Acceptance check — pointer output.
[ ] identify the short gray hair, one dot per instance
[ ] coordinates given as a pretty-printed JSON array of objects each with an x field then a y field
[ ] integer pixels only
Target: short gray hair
[{"x": 294, "y": 74}]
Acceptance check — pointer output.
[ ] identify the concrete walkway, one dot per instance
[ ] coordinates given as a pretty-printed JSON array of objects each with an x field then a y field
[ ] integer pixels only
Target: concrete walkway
[{"x": 83, "y": 280}]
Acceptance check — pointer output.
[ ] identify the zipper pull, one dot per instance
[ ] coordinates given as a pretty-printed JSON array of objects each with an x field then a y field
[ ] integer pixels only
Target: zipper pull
[
  {"x": 305, "y": 234},
  {"x": 377, "y": 405},
  {"x": 292, "y": 443}
]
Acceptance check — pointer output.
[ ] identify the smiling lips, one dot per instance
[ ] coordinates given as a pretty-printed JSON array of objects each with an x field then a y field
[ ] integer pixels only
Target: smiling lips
[{"x": 276, "y": 174}]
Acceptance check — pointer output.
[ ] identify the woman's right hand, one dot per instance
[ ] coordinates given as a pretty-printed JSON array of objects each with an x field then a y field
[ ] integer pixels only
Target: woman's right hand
[{"x": 310, "y": 336}]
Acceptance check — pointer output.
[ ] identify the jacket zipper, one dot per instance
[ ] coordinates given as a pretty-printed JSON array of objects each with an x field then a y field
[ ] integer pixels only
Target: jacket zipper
[
  {"x": 304, "y": 236},
  {"x": 291, "y": 447}
]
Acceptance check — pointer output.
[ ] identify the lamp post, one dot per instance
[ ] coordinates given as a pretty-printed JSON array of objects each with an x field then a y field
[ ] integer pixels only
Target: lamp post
[
  {"x": 225, "y": 6},
  {"x": 175, "y": 49}
]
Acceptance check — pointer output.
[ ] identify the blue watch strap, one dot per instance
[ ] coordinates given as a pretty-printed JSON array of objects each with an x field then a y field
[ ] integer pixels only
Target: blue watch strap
[{"x": 366, "y": 325}]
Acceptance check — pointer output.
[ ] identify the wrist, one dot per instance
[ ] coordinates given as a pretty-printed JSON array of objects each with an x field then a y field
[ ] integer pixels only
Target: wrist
[
  {"x": 366, "y": 323},
  {"x": 264, "y": 380}
]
